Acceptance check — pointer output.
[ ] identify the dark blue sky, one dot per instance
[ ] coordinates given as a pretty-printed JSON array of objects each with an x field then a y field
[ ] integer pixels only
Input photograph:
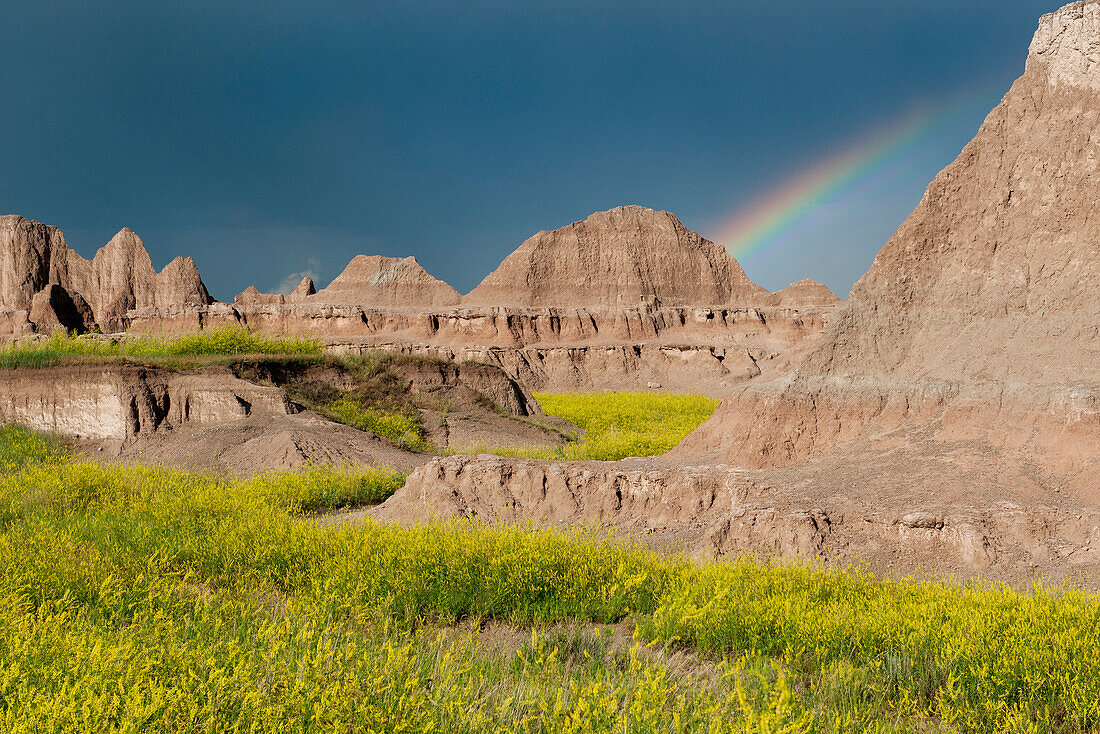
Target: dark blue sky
[{"x": 270, "y": 138}]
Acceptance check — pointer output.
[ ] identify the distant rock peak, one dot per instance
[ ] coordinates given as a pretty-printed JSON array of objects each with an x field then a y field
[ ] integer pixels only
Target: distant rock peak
[{"x": 120, "y": 277}]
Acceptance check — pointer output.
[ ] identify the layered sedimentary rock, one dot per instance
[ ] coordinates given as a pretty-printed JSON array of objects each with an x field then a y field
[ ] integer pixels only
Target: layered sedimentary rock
[
  {"x": 34, "y": 259},
  {"x": 709, "y": 509},
  {"x": 655, "y": 304},
  {"x": 251, "y": 296},
  {"x": 122, "y": 402},
  {"x": 980, "y": 318},
  {"x": 53, "y": 307},
  {"x": 624, "y": 257}
]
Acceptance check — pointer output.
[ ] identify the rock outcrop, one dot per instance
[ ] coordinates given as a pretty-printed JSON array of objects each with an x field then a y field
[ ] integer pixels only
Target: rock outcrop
[
  {"x": 624, "y": 257},
  {"x": 806, "y": 292},
  {"x": 53, "y": 307},
  {"x": 980, "y": 318},
  {"x": 710, "y": 510},
  {"x": 378, "y": 281},
  {"x": 368, "y": 281},
  {"x": 251, "y": 296},
  {"x": 626, "y": 299},
  {"x": 124, "y": 402},
  {"x": 119, "y": 279}
]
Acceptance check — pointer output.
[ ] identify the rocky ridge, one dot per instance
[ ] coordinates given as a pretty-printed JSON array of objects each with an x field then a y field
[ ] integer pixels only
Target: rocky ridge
[
  {"x": 44, "y": 284},
  {"x": 980, "y": 316},
  {"x": 655, "y": 304},
  {"x": 624, "y": 257},
  {"x": 683, "y": 311}
]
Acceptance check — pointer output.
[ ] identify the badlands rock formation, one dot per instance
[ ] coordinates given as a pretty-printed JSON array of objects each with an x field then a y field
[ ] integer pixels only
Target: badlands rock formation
[
  {"x": 377, "y": 281},
  {"x": 829, "y": 511},
  {"x": 656, "y": 304},
  {"x": 980, "y": 318},
  {"x": 806, "y": 292},
  {"x": 624, "y": 257},
  {"x": 948, "y": 418},
  {"x": 626, "y": 299},
  {"x": 251, "y": 296},
  {"x": 246, "y": 417},
  {"x": 44, "y": 284},
  {"x": 369, "y": 281}
]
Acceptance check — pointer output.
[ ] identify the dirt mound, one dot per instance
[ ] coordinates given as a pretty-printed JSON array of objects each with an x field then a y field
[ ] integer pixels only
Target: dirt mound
[
  {"x": 255, "y": 415},
  {"x": 622, "y": 257},
  {"x": 254, "y": 445},
  {"x": 981, "y": 315},
  {"x": 120, "y": 277},
  {"x": 460, "y": 406}
]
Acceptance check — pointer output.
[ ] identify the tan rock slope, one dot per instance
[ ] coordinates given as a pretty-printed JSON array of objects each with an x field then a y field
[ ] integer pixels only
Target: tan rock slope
[
  {"x": 980, "y": 318},
  {"x": 806, "y": 292},
  {"x": 627, "y": 256},
  {"x": 377, "y": 281},
  {"x": 251, "y": 296},
  {"x": 44, "y": 284}
]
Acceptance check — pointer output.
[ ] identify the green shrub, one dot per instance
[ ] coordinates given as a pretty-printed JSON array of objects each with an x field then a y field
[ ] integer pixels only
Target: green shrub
[{"x": 402, "y": 427}]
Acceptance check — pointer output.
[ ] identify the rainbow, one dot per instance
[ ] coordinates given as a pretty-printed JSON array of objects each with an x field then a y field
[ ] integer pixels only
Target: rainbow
[{"x": 779, "y": 215}]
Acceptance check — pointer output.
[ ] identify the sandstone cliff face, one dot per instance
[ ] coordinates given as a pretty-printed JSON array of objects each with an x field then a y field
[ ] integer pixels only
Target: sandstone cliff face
[
  {"x": 32, "y": 255},
  {"x": 120, "y": 278},
  {"x": 623, "y": 257},
  {"x": 981, "y": 315},
  {"x": 121, "y": 402}
]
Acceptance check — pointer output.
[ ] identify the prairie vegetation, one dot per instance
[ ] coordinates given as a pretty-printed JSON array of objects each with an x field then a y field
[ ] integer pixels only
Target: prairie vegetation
[
  {"x": 616, "y": 425},
  {"x": 379, "y": 401},
  {"x": 154, "y": 600},
  {"x": 400, "y": 426},
  {"x": 227, "y": 342}
]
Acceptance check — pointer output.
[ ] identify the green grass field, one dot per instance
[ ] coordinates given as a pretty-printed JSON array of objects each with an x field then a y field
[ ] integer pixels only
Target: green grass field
[
  {"x": 618, "y": 425},
  {"x": 154, "y": 600},
  {"x": 615, "y": 424},
  {"x": 225, "y": 343}
]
